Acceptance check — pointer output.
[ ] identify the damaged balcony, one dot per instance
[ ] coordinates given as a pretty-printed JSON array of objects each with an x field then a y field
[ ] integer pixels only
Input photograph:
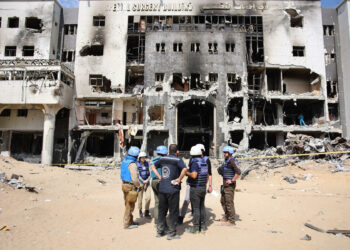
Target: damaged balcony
[
  {"x": 234, "y": 111},
  {"x": 36, "y": 82},
  {"x": 291, "y": 83},
  {"x": 262, "y": 113},
  {"x": 156, "y": 115}
]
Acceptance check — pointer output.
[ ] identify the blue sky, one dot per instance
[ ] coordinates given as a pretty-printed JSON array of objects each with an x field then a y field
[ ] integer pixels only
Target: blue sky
[{"x": 74, "y": 3}]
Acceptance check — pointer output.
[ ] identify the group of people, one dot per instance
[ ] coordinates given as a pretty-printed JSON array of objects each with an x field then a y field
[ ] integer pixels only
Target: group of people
[{"x": 164, "y": 176}]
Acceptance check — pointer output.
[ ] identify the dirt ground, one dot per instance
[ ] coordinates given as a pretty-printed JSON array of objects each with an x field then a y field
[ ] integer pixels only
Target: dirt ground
[{"x": 73, "y": 210}]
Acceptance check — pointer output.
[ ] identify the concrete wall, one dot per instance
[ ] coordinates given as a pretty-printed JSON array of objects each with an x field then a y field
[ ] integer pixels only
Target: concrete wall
[
  {"x": 33, "y": 122},
  {"x": 343, "y": 69},
  {"x": 43, "y": 42}
]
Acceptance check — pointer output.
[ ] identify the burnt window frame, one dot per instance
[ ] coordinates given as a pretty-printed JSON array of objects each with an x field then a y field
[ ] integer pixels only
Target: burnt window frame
[
  {"x": 10, "y": 19},
  {"x": 230, "y": 47},
  {"x": 67, "y": 29},
  {"x": 99, "y": 21},
  {"x": 157, "y": 75},
  {"x": 0, "y": 21},
  {"x": 8, "y": 49},
  {"x": 32, "y": 17},
  {"x": 298, "y": 51},
  {"x": 96, "y": 78},
  {"x": 195, "y": 47},
  {"x": 66, "y": 54},
  {"x": 215, "y": 75},
  {"x": 177, "y": 47},
  {"x": 28, "y": 48}
]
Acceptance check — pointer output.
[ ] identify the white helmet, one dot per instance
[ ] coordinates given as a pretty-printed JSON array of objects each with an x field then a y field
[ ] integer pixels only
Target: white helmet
[
  {"x": 142, "y": 154},
  {"x": 201, "y": 146},
  {"x": 195, "y": 150}
]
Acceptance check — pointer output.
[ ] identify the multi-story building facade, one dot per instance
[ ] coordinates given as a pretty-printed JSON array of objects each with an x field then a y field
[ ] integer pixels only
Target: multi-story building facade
[
  {"x": 241, "y": 72},
  {"x": 36, "y": 88},
  {"x": 343, "y": 49}
]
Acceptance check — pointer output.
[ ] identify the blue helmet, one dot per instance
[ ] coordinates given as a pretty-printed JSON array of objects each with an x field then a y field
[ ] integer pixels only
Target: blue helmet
[
  {"x": 162, "y": 150},
  {"x": 133, "y": 151},
  {"x": 228, "y": 149}
]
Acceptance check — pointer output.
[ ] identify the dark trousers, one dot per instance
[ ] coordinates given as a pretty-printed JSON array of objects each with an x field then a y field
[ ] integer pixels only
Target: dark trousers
[
  {"x": 227, "y": 203},
  {"x": 197, "y": 197},
  {"x": 168, "y": 202}
]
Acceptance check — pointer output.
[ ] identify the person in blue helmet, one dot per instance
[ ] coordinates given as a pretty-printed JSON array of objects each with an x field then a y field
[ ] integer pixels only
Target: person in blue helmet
[
  {"x": 173, "y": 170},
  {"x": 130, "y": 186},
  {"x": 161, "y": 152},
  {"x": 230, "y": 173}
]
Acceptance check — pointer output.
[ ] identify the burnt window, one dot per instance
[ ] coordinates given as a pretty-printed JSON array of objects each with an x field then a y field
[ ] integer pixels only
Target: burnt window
[
  {"x": 159, "y": 77},
  {"x": 212, "y": 48},
  {"x": 328, "y": 30},
  {"x": 68, "y": 56},
  {"x": 0, "y": 21},
  {"x": 93, "y": 50},
  {"x": 333, "y": 57},
  {"x": 296, "y": 22},
  {"x": 234, "y": 82},
  {"x": 230, "y": 47},
  {"x": 28, "y": 51},
  {"x": 33, "y": 23},
  {"x": 195, "y": 47},
  {"x": 70, "y": 29},
  {"x": 160, "y": 47},
  {"x": 10, "y": 50},
  {"x": 104, "y": 115},
  {"x": 13, "y": 22},
  {"x": 99, "y": 20},
  {"x": 213, "y": 77},
  {"x": 6, "y": 112},
  {"x": 299, "y": 51},
  {"x": 177, "y": 47},
  {"x": 96, "y": 80},
  {"x": 22, "y": 112}
]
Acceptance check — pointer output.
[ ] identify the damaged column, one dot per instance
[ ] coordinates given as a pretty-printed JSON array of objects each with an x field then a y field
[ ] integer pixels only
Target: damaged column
[{"x": 49, "y": 132}]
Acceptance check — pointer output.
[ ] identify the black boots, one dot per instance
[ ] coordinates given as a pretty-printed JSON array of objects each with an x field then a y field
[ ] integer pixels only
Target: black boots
[
  {"x": 140, "y": 213},
  {"x": 147, "y": 215}
]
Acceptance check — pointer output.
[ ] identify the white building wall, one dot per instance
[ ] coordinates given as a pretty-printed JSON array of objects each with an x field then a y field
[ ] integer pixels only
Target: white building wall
[
  {"x": 279, "y": 37},
  {"x": 34, "y": 121},
  {"x": 343, "y": 68},
  {"x": 21, "y": 36}
]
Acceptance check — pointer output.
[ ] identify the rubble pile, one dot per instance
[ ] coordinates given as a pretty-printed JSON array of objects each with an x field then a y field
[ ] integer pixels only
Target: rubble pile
[
  {"x": 16, "y": 182},
  {"x": 294, "y": 144}
]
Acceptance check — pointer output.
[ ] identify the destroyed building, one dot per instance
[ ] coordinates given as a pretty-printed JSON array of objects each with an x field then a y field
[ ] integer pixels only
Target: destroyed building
[
  {"x": 216, "y": 72},
  {"x": 36, "y": 87},
  {"x": 336, "y": 26},
  {"x": 243, "y": 73}
]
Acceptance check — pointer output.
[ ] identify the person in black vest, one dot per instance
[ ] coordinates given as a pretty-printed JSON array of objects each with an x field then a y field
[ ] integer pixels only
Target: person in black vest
[
  {"x": 230, "y": 173},
  {"x": 198, "y": 178},
  {"x": 173, "y": 170},
  {"x": 145, "y": 181}
]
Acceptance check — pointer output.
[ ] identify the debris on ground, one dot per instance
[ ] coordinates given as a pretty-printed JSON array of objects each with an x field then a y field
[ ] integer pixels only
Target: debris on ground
[
  {"x": 16, "y": 182},
  {"x": 331, "y": 231},
  {"x": 291, "y": 180},
  {"x": 5, "y": 228},
  {"x": 306, "y": 237},
  {"x": 102, "y": 181},
  {"x": 296, "y": 144}
]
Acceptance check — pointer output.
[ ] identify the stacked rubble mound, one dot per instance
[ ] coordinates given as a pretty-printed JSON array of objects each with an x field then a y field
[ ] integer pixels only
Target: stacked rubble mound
[{"x": 294, "y": 144}]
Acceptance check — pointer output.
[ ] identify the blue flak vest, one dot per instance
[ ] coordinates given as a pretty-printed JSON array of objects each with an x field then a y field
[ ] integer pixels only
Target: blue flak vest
[
  {"x": 143, "y": 169},
  {"x": 124, "y": 168},
  {"x": 229, "y": 173},
  {"x": 202, "y": 176},
  {"x": 153, "y": 175}
]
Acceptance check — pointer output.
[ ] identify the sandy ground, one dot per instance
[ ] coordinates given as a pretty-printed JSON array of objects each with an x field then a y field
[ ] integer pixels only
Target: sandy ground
[{"x": 73, "y": 210}]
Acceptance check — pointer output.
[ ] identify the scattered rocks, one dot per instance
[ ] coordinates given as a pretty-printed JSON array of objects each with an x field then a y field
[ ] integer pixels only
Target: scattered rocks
[{"x": 306, "y": 237}]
